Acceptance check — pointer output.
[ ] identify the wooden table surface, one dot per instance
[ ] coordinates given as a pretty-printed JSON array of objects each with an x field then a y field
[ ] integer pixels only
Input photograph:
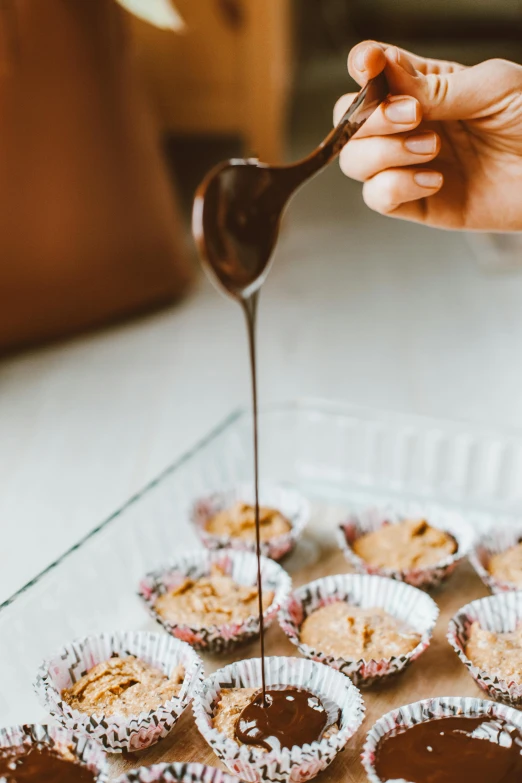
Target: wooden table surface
[{"x": 438, "y": 672}]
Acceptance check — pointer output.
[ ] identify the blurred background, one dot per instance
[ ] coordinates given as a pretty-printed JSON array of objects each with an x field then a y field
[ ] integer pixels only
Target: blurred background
[{"x": 117, "y": 354}]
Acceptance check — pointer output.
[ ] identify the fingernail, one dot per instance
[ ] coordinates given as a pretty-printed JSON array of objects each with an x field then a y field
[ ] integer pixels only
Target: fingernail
[
  {"x": 421, "y": 143},
  {"x": 428, "y": 179},
  {"x": 359, "y": 60},
  {"x": 401, "y": 110},
  {"x": 405, "y": 63}
]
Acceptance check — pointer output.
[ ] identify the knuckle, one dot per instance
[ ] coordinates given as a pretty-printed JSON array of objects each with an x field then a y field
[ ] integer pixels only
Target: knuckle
[{"x": 437, "y": 88}]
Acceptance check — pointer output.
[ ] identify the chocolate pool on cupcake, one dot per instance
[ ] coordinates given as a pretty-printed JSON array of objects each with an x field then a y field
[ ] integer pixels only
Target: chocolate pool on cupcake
[
  {"x": 446, "y": 740},
  {"x": 289, "y": 730},
  {"x": 125, "y": 690},
  {"x": 367, "y": 627},
  {"x": 497, "y": 558},
  {"x": 408, "y": 542},
  {"x": 211, "y": 599},
  {"x": 227, "y": 519}
]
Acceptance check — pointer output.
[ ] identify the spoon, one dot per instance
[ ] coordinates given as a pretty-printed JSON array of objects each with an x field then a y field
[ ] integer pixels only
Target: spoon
[{"x": 238, "y": 206}]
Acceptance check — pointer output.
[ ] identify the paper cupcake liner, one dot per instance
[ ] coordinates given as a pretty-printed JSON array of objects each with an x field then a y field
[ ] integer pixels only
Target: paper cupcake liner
[
  {"x": 404, "y": 602},
  {"x": 430, "y": 709},
  {"x": 371, "y": 519},
  {"x": 493, "y": 543},
  {"x": 85, "y": 751},
  {"x": 500, "y": 613},
  {"x": 242, "y": 567},
  {"x": 177, "y": 772},
  {"x": 285, "y": 499},
  {"x": 116, "y": 732},
  {"x": 297, "y": 764}
]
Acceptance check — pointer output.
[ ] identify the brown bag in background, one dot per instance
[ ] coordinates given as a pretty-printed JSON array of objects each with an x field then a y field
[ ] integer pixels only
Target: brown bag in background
[{"x": 88, "y": 226}]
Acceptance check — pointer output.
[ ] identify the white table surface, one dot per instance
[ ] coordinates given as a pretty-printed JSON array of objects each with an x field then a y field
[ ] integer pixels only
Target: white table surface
[{"x": 357, "y": 308}]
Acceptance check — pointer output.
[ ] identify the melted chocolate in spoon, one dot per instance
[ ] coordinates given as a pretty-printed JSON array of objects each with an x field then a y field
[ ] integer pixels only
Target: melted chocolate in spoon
[{"x": 41, "y": 766}]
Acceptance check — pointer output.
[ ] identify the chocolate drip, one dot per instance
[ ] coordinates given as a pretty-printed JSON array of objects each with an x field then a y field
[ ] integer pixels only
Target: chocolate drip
[
  {"x": 41, "y": 766},
  {"x": 452, "y": 750},
  {"x": 290, "y": 717}
]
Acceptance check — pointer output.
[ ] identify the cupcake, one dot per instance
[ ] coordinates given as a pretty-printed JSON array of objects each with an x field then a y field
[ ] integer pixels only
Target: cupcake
[
  {"x": 224, "y": 695},
  {"x": 227, "y": 519},
  {"x": 177, "y": 772},
  {"x": 412, "y": 543},
  {"x": 445, "y": 739},
  {"x": 486, "y": 634},
  {"x": 367, "y": 627},
  {"x": 126, "y": 690},
  {"x": 211, "y": 600},
  {"x": 497, "y": 559},
  {"x": 37, "y": 752}
]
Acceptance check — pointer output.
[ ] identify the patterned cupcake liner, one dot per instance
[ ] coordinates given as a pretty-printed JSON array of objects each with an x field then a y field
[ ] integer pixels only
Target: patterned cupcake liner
[
  {"x": 86, "y": 752},
  {"x": 285, "y": 499},
  {"x": 427, "y": 710},
  {"x": 500, "y": 613},
  {"x": 371, "y": 519},
  {"x": 404, "y": 602},
  {"x": 297, "y": 764},
  {"x": 177, "y": 772},
  {"x": 242, "y": 567},
  {"x": 492, "y": 543},
  {"x": 117, "y": 733}
]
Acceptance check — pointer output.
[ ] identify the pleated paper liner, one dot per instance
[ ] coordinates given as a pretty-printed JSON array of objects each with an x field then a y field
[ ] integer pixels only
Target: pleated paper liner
[
  {"x": 405, "y": 603},
  {"x": 371, "y": 519},
  {"x": 500, "y": 613},
  {"x": 430, "y": 709},
  {"x": 86, "y": 752},
  {"x": 298, "y": 763},
  {"x": 493, "y": 543},
  {"x": 177, "y": 772},
  {"x": 285, "y": 499},
  {"x": 242, "y": 567},
  {"x": 117, "y": 733}
]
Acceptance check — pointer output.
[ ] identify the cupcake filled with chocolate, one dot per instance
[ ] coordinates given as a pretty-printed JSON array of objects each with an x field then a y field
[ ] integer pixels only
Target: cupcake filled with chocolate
[
  {"x": 497, "y": 558},
  {"x": 446, "y": 740},
  {"x": 408, "y": 542},
  {"x": 37, "y": 753},
  {"x": 367, "y": 627},
  {"x": 177, "y": 772},
  {"x": 288, "y": 726},
  {"x": 486, "y": 634},
  {"x": 227, "y": 519},
  {"x": 126, "y": 690},
  {"x": 211, "y": 599}
]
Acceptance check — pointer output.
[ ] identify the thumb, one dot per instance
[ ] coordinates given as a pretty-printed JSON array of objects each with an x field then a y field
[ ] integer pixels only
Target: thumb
[{"x": 460, "y": 94}]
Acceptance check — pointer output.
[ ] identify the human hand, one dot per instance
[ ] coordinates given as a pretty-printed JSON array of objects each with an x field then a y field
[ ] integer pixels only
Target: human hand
[{"x": 450, "y": 155}]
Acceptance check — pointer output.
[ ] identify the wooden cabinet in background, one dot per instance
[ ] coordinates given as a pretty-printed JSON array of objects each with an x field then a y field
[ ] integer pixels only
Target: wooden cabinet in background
[{"x": 228, "y": 73}]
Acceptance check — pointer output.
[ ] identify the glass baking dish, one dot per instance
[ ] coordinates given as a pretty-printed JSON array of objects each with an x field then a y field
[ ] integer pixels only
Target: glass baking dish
[{"x": 340, "y": 457}]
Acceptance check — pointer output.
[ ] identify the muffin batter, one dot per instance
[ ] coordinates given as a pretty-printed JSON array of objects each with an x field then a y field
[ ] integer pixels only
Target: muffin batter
[
  {"x": 499, "y": 654},
  {"x": 412, "y": 543},
  {"x": 211, "y": 600},
  {"x": 123, "y": 686},
  {"x": 352, "y": 633},
  {"x": 239, "y": 522},
  {"x": 507, "y": 566}
]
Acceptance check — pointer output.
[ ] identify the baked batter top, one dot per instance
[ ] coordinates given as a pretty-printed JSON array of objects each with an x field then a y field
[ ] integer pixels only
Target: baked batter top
[
  {"x": 123, "y": 686},
  {"x": 507, "y": 566},
  {"x": 499, "y": 654},
  {"x": 239, "y": 522},
  {"x": 412, "y": 543},
  {"x": 352, "y": 633}
]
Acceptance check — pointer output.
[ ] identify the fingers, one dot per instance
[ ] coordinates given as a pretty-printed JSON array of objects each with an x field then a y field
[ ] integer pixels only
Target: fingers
[
  {"x": 369, "y": 58},
  {"x": 397, "y": 114},
  {"x": 389, "y": 190},
  {"x": 363, "y": 159}
]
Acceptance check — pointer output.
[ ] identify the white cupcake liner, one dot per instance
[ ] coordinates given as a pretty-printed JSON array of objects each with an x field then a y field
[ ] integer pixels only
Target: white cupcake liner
[
  {"x": 177, "y": 772},
  {"x": 297, "y": 764},
  {"x": 404, "y": 602},
  {"x": 242, "y": 567},
  {"x": 117, "y": 733},
  {"x": 371, "y": 519},
  {"x": 492, "y": 543},
  {"x": 500, "y": 613},
  {"x": 86, "y": 752},
  {"x": 430, "y": 709},
  {"x": 285, "y": 499}
]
